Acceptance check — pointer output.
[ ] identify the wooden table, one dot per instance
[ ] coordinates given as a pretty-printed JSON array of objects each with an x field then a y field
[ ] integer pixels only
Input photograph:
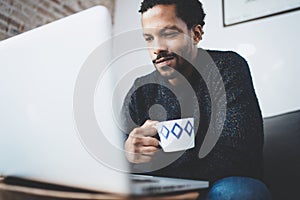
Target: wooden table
[{"x": 13, "y": 192}]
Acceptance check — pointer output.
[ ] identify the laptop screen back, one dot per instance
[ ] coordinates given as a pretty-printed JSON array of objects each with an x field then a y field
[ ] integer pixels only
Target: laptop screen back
[{"x": 39, "y": 73}]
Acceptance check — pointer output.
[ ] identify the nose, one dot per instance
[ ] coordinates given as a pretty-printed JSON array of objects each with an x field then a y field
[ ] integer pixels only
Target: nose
[{"x": 159, "y": 46}]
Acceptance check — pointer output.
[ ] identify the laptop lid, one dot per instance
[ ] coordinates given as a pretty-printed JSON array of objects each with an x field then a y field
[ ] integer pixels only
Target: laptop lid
[{"x": 39, "y": 77}]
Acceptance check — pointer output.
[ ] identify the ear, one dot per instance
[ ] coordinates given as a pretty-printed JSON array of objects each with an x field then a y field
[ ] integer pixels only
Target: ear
[{"x": 197, "y": 33}]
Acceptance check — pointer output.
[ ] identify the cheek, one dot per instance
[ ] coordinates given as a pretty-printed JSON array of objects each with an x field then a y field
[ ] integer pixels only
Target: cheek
[
  {"x": 188, "y": 48},
  {"x": 181, "y": 44},
  {"x": 182, "y": 48},
  {"x": 175, "y": 45}
]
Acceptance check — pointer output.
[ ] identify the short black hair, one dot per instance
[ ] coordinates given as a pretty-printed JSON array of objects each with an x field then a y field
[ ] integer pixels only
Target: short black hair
[{"x": 190, "y": 11}]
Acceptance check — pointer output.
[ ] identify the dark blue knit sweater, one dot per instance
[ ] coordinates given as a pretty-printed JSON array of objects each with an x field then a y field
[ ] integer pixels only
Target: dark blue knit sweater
[{"x": 238, "y": 151}]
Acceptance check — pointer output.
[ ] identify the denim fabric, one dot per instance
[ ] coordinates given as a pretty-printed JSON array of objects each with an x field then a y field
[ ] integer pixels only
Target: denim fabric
[{"x": 237, "y": 188}]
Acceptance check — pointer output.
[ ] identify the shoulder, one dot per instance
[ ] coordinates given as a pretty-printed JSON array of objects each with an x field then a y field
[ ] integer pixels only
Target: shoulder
[
  {"x": 230, "y": 64},
  {"x": 227, "y": 58}
]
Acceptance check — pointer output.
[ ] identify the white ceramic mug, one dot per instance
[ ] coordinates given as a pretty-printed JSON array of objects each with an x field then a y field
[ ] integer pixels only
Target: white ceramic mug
[{"x": 176, "y": 135}]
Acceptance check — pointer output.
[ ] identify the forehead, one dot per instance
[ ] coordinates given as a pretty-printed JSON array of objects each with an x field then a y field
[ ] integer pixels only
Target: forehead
[{"x": 161, "y": 16}]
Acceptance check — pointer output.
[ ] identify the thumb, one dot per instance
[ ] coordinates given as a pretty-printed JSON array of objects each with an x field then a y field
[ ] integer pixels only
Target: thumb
[{"x": 149, "y": 124}]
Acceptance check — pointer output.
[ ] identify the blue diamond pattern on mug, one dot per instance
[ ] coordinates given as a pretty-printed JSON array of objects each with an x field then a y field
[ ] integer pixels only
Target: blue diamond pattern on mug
[
  {"x": 165, "y": 131},
  {"x": 189, "y": 128},
  {"x": 177, "y": 130}
]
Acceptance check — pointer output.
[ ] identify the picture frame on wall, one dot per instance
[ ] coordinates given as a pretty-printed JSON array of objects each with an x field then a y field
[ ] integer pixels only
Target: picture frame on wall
[{"x": 240, "y": 11}]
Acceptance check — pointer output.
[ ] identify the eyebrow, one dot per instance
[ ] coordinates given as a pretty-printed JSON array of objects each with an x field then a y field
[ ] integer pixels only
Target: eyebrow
[
  {"x": 172, "y": 28},
  {"x": 165, "y": 29}
]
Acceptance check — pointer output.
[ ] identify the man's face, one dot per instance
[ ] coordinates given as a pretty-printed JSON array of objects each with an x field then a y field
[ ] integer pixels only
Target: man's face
[{"x": 166, "y": 34}]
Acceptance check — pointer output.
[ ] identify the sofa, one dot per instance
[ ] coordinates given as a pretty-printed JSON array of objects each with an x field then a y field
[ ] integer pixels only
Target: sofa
[{"x": 282, "y": 155}]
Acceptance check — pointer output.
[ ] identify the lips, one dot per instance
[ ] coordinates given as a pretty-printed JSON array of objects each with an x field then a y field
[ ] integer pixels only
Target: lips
[{"x": 164, "y": 59}]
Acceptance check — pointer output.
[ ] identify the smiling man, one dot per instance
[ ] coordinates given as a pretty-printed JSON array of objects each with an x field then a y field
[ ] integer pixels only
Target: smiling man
[
  {"x": 166, "y": 34},
  {"x": 173, "y": 29}
]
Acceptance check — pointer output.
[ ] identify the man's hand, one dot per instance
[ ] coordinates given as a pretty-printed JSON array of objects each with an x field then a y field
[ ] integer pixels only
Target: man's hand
[{"x": 140, "y": 146}]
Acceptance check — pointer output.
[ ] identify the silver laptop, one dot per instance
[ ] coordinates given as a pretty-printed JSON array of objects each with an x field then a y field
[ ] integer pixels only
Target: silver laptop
[{"x": 49, "y": 130}]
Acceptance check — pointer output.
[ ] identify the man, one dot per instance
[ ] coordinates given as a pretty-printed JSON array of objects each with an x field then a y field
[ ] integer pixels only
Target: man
[{"x": 172, "y": 30}]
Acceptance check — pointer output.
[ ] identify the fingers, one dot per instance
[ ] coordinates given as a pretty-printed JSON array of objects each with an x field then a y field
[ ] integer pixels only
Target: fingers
[
  {"x": 148, "y": 150},
  {"x": 147, "y": 129},
  {"x": 142, "y": 154},
  {"x": 150, "y": 141},
  {"x": 143, "y": 132},
  {"x": 140, "y": 146},
  {"x": 145, "y": 150},
  {"x": 143, "y": 141}
]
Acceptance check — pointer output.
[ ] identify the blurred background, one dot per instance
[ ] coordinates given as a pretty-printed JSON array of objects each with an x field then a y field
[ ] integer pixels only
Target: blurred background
[
  {"x": 270, "y": 44},
  {"x": 17, "y": 16}
]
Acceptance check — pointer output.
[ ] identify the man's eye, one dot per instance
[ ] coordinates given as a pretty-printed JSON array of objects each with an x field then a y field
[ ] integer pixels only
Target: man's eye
[
  {"x": 148, "y": 39},
  {"x": 170, "y": 35}
]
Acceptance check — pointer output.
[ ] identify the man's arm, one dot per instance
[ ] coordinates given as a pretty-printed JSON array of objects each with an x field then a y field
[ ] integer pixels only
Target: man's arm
[
  {"x": 238, "y": 151},
  {"x": 140, "y": 145}
]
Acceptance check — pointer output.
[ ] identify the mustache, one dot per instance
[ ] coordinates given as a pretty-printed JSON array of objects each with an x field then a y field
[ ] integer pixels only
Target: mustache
[{"x": 164, "y": 55}]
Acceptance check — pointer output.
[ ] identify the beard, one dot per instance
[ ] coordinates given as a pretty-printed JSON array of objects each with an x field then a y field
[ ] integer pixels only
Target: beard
[{"x": 181, "y": 65}]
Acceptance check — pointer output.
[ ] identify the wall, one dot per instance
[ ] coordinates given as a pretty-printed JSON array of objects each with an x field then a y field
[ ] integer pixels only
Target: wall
[
  {"x": 126, "y": 15},
  {"x": 269, "y": 45},
  {"x": 17, "y": 16}
]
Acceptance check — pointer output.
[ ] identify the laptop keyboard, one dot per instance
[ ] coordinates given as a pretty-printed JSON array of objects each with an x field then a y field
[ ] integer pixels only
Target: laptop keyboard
[
  {"x": 166, "y": 188},
  {"x": 138, "y": 180}
]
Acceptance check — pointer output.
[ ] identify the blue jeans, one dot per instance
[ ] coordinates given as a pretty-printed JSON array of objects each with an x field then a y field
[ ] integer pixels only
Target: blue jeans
[{"x": 237, "y": 188}]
